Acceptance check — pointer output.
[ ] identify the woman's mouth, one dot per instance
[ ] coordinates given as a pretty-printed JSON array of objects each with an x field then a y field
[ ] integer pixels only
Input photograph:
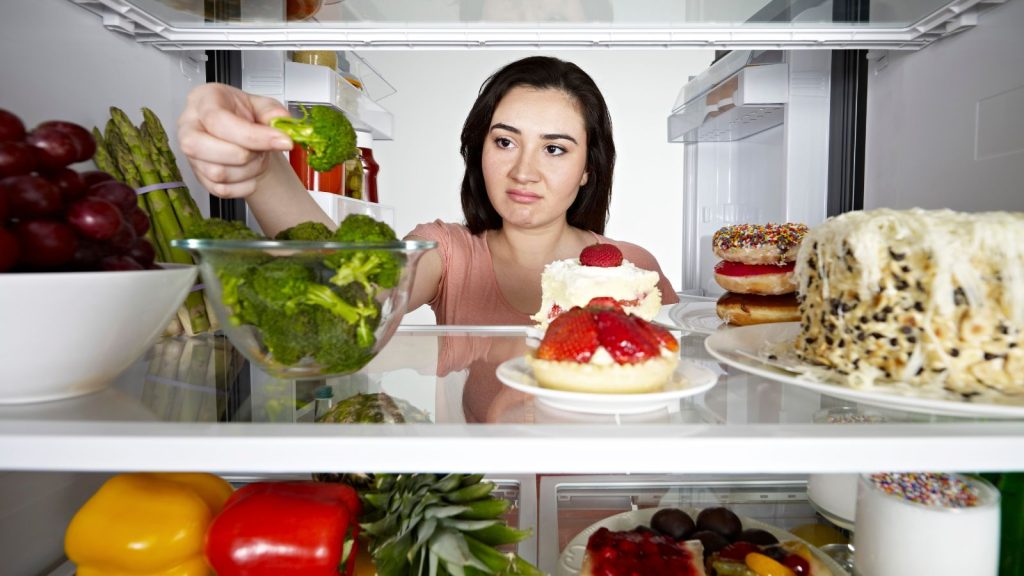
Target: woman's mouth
[{"x": 523, "y": 197}]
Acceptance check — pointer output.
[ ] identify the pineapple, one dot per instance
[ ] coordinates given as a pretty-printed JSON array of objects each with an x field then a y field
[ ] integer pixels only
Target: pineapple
[{"x": 434, "y": 524}]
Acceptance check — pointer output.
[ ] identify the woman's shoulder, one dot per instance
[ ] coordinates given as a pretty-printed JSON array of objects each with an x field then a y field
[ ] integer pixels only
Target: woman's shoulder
[{"x": 439, "y": 229}]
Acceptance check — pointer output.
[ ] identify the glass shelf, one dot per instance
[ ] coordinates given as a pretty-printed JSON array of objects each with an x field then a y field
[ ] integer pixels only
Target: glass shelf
[
  {"x": 167, "y": 411},
  {"x": 389, "y": 24}
]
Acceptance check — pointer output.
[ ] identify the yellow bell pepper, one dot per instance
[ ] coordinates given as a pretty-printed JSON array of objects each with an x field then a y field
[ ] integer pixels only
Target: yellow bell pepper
[{"x": 146, "y": 524}]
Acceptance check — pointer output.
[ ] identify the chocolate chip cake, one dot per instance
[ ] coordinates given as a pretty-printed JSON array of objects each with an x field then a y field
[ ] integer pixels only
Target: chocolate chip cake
[{"x": 916, "y": 296}]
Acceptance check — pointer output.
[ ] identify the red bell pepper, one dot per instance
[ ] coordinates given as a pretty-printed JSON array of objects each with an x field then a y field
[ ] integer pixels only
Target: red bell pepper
[{"x": 284, "y": 528}]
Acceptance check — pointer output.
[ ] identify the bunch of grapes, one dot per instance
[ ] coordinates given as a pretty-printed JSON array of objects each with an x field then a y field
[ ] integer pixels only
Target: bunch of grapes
[{"x": 53, "y": 218}]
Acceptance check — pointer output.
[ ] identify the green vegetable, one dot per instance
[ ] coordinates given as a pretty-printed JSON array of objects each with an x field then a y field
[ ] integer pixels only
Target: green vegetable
[
  {"x": 307, "y": 231},
  {"x": 218, "y": 229},
  {"x": 367, "y": 267},
  {"x": 324, "y": 132},
  {"x": 305, "y": 305}
]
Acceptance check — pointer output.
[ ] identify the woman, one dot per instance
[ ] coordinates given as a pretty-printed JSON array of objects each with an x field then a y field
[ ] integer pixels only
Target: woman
[{"x": 539, "y": 160}]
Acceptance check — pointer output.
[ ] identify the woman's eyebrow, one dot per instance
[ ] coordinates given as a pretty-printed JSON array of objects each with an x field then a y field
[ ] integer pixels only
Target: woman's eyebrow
[{"x": 514, "y": 130}]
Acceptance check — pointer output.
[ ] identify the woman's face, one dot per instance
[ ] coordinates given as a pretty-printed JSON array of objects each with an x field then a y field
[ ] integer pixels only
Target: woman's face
[{"x": 534, "y": 156}]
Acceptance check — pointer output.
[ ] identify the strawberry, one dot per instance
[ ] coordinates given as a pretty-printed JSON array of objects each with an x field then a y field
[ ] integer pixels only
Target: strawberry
[
  {"x": 656, "y": 334},
  {"x": 603, "y": 303},
  {"x": 623, "y": 339},
  {"x": 601, "y": 255},
  {"x": 570, "y": 336}
]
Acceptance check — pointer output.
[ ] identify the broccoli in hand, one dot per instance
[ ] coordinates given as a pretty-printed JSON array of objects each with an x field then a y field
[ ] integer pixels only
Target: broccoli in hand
[{"x": 324, "y": 132}]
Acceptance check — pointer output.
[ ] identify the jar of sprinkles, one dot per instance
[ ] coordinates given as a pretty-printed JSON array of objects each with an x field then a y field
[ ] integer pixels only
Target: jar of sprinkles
[{"x": 939, "y": 524}]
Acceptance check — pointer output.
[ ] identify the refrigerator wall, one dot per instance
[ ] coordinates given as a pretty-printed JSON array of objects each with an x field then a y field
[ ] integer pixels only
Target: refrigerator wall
[
  {"x": 945, "y": 125},
  {"x": 59, "y": 63}
]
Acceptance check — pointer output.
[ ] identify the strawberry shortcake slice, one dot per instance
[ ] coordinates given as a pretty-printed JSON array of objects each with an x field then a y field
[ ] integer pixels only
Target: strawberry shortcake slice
[
  {"x": 599, "y": 271},
  {"x": 603, "y": 349}
]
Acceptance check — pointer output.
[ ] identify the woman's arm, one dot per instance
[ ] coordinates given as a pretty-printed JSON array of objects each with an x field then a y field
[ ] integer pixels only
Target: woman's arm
[{"x": 428, "y": 277}]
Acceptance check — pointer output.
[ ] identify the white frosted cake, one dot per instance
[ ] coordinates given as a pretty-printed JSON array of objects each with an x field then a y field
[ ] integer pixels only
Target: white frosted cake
[
  {"x": 567, "y": 283},
  {"x": 916, "y": 296}
]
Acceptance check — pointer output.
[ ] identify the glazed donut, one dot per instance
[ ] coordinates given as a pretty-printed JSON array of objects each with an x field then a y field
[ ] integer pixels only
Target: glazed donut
[
  {"x": 764, "y": 279},
  {"x": 758, "y": 243},
  {"x": 747, "y": 309}
]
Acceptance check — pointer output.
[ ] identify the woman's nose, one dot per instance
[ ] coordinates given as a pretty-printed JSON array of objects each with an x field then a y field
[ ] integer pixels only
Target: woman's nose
[{"x": 524, "y": 169}]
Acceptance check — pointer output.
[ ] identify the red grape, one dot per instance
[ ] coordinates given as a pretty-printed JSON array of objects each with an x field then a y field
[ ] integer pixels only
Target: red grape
[
  {"x": 45, "y": 243},
  {"x": 122, "y": 240},
  {"x": 91, "y": 177},
  {"x": 11, "y": 127},
  {"x": 30, "y": 195},
  {"x": 8, "y": 250},
  {"x": 57, "y": 148},
  {"x": 88, "y": 254},
  {"x": 139, "y": 221},
  {"x": 84, "y": 143},
  {"x": 3, "y": 206},
  {"x": 17, "y": 158},
  {"x": 94, "y": 218},
  {"x": 142, "y": 252},
  {"x": 117, "y": 193},
  {"x": 68, "y": 182},
  {"x": 120, "y": 262}
]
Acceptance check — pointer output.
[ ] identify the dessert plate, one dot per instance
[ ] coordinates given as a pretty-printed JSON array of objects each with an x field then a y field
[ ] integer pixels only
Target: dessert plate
[
  {"x": 571, "y": 559},
  {"x": 699, "y": 317},
  {"x": 748, "y": 348},
  {"x": 688, "y": 379}
]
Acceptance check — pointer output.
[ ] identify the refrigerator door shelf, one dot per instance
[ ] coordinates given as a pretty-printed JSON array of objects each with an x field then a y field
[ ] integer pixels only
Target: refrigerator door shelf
[
  {"x": 724, "y": 108},
  {"x": 312, "y": 84}
]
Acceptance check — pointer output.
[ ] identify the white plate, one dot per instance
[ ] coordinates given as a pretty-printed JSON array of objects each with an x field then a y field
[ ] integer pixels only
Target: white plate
[
  {"x": 571, "y": 559},
  {"x": 688, "y": 379},
  {"x": 699, "y": 317},
  {"x": 742, "y": 347}
]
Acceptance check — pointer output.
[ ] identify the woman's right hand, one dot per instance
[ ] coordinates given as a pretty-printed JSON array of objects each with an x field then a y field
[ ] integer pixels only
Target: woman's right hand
[{"x": 224, "y": 132}]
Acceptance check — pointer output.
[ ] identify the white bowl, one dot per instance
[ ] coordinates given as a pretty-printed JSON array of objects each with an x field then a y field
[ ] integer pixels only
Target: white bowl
[{"x": 64, "y": 334}]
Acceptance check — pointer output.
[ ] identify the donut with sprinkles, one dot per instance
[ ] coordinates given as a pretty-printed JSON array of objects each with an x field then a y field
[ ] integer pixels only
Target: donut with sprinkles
[{"x": 759, "y": 243}]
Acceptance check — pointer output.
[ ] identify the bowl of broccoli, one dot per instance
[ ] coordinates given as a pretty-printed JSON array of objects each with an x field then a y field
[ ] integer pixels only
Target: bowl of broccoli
[{"x": 311, "y": 302}]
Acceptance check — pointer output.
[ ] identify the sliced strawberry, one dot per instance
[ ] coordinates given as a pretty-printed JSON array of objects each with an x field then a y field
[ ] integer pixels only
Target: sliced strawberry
[
  {"x": 570, "y": 336},
  {"x": 604, "y": 303},
  {"x": 623, "y": 339},
  {"x": 601, "y": 255},
  {"x": 657, "y": 334}
]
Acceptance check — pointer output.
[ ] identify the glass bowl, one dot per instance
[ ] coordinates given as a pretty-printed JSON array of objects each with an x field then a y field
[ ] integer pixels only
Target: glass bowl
[{"x": 307, "y": 309}]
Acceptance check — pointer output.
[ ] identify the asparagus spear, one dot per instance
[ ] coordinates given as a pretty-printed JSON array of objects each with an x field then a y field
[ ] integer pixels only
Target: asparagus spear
[
  {"x": 128, "y": 149},
  {"x": 181, "y": 201}
]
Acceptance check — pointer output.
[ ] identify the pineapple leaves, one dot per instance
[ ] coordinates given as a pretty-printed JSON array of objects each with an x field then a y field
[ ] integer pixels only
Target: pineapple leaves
[{"x": 436, "y": 525}]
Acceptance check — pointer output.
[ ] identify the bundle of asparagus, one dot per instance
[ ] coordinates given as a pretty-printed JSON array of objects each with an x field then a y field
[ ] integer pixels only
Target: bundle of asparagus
[{"x": 141, "y": 157}]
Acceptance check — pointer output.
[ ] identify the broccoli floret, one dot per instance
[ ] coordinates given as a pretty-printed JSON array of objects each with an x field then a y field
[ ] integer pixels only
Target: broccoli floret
[
  {"x": 218, "y": 229},
  {"x": 367, "y": 267},
  {"x": 324, "y": 132},
  {"x": 308, "y": 231},
  {"x": 299, "y": 317},
  {"x": 373, "y": 269},
  {"x": 363, "y": 228}
]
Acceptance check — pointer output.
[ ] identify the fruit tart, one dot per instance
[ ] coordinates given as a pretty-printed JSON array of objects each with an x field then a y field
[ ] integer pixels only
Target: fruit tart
[
  {"x": 641, "y": 551},
  {"x": 602, "y": 349}
]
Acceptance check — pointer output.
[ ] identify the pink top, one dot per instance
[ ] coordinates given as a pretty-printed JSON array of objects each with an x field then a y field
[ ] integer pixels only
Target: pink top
[{"x": 469, "y": 292}]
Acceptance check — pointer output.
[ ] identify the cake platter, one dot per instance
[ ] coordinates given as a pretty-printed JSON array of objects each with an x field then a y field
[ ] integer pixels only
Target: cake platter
[
  {"x": 571, "y": 559},
  {"x": 698, "y": 317},
  {"x": 689, "y": 379},
  {"x": 747, "y": 348}
]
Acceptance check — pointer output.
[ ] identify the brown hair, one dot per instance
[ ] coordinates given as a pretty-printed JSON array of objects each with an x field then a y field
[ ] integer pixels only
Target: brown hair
[{"x": 590, "y": 209}]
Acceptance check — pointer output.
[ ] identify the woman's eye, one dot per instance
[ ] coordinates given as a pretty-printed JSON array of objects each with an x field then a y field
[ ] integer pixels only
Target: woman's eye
[
  {"x": 503, "y": 142},
  {"x": 554, "y": 150}
]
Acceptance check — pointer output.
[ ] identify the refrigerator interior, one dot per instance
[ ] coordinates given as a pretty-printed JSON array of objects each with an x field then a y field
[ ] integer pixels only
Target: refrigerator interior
[{"x": 943, "y": 131}]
